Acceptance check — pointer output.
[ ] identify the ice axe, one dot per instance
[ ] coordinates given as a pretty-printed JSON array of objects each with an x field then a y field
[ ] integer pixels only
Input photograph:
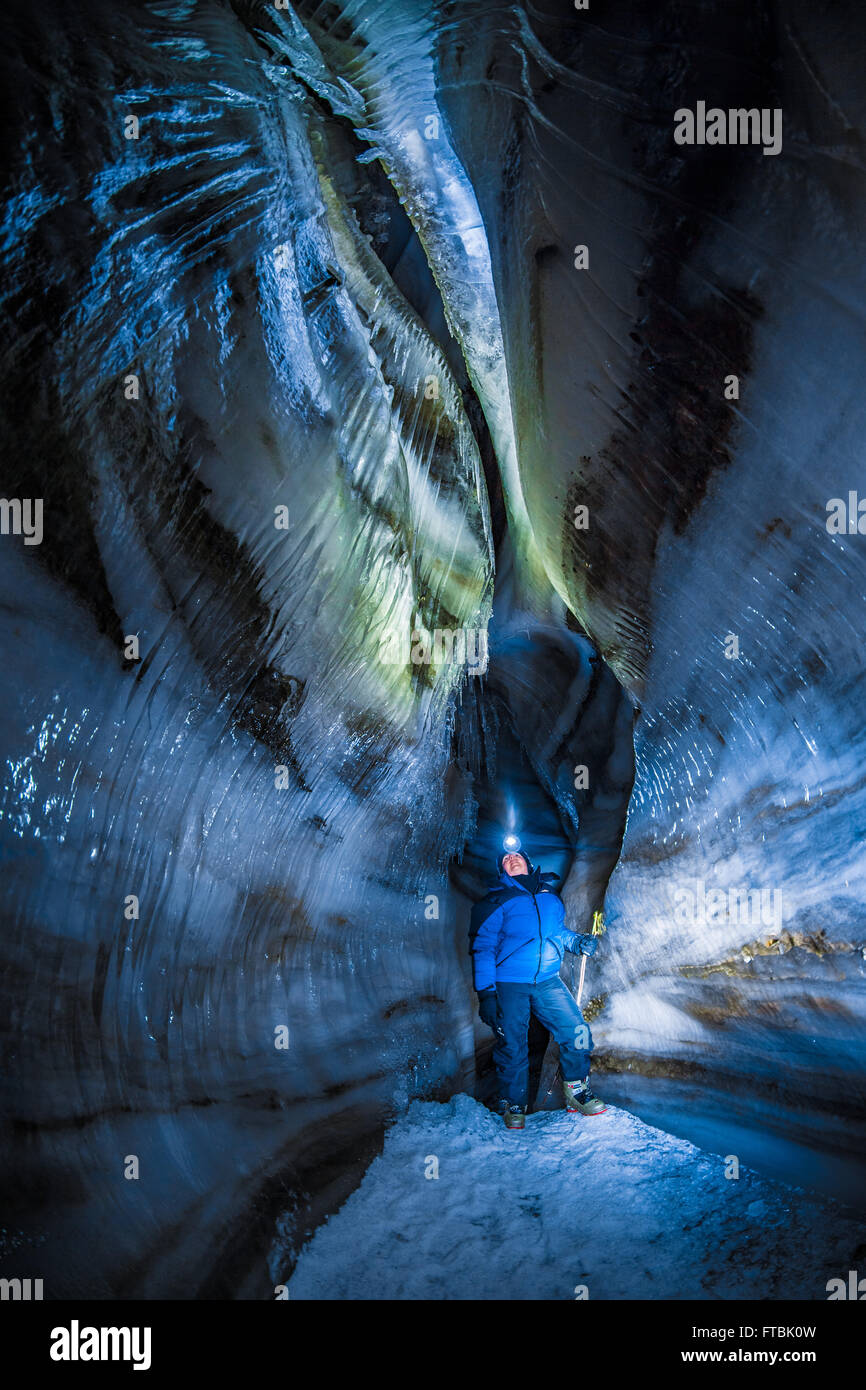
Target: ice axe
[{"x": 598, "y": 927}]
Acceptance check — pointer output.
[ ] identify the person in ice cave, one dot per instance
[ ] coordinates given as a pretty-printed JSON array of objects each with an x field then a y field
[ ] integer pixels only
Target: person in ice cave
[{"x": 518, "y": 936}]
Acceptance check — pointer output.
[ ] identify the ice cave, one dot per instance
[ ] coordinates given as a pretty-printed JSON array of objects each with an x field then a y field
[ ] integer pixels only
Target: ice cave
[{"x": 425, "y": 422}]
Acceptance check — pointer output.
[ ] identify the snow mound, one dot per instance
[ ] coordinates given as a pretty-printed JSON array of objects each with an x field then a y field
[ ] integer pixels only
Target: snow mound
[{"x": 457, "y": 1207}]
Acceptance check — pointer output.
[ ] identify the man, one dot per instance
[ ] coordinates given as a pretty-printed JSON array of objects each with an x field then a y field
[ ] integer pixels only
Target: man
[{"x": 518, "y": 936}]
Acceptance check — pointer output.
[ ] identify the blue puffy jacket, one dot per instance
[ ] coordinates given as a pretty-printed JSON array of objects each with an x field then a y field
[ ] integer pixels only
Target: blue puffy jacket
[{"x": 519, "y": 934}]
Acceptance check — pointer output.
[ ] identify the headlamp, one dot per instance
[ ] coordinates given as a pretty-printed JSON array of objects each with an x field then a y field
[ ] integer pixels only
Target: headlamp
[{"x": 511, "y": 843}]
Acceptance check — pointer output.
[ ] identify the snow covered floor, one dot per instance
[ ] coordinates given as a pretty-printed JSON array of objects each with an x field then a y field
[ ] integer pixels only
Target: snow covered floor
[{"x": 609, "y": 1202}]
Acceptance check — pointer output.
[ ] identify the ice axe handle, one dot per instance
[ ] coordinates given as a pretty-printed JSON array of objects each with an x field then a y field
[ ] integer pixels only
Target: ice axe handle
[
  {"x": 582, "y": 974},
  {"x": 597, "y": 928}
]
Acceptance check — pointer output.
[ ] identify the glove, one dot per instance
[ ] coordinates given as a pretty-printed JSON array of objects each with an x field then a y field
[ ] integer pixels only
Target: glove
[
  {"x": 587, "y": 945},
  {"x": 488, "y": 1008}
]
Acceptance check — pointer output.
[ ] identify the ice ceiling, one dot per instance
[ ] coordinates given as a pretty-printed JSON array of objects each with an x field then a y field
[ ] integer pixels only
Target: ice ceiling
[{"x": 300, "y": 357}]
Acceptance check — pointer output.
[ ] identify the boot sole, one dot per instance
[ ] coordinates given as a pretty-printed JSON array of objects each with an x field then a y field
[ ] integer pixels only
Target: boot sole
[{"x": 587, "y": 1114}]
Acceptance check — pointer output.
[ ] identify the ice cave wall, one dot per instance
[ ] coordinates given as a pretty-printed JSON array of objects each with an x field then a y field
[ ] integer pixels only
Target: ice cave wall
[
  {"x": 709, "y": 575},
  {"x": 241, "y": 824}
]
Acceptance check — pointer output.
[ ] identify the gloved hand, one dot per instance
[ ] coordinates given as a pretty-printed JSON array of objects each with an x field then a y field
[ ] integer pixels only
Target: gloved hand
[
  {"x": 588, "y": 945},
  {"x": 488, "y": 1008}
]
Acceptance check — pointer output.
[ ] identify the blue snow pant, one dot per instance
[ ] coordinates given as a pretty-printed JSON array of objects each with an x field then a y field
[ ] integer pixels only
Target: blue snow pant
[{"x": 555, "y": 1006}]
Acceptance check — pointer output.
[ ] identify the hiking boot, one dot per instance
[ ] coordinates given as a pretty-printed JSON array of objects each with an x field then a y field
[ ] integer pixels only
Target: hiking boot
[
  {"x": 515, "y": 1117},
  {"x": 499, "y": 1106},
  {"x": 579, "y": 1099}
]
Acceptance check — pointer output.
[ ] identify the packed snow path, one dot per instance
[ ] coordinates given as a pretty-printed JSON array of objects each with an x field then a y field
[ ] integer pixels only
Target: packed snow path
[{"x": 607, "y": 1203}]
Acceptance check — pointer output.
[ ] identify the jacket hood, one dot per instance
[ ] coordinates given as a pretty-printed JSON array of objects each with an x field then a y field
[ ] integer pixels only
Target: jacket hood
[
  {"x": 506, "y": 852},
  {"x": 529, "y": 883}
]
